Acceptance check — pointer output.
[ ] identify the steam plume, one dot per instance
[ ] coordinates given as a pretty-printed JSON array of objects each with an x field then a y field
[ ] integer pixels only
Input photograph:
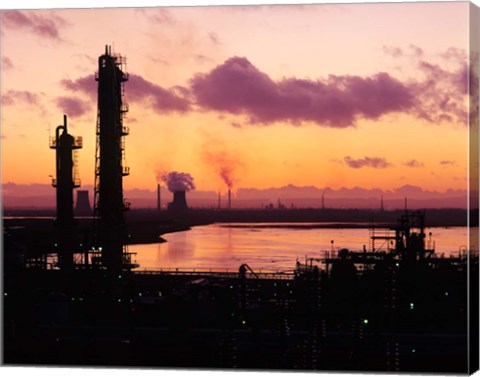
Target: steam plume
[{"x": 178, "y": 181}]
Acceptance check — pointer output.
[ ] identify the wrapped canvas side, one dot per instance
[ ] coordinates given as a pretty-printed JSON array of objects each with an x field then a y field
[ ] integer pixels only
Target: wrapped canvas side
[{"x": 473, "y": 275}]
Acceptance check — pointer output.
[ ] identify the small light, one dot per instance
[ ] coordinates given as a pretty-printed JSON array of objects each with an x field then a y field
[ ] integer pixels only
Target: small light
[
  {"x": 397, "y": 264},
  {"x": 81, "y": 244},
  {"x": 73, "y": 298},
  {"x": 446, "y": 293},
  {"x": 243, "y": 322},
  {"x": 5, "y": 294},
  {"x": 119, "y": 276},
  {"x": 100, "y": 249},
  {"x": 231, "y": 287},
  {"x": 365, "y": 321},
  {"x": 119, "y": 300},
  {"x": 55, "y": 245},
  {"x": 140, "y": 294},
  {"x": 413, "y": 350},
  {"x": 412, "y": 306}
]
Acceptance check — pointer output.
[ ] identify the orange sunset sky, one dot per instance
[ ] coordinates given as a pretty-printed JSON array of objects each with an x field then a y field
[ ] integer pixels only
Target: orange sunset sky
[{"x": 367, "y": 95}]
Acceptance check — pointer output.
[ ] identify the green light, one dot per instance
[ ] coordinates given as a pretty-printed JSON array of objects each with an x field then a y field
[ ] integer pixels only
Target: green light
[
  {"x": 412, "y": 306},
  {"x": 413, "y": 350},
  {"x": 365, "y": 321}
]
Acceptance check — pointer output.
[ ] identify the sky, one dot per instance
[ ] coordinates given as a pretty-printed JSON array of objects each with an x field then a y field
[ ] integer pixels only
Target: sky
[{"x": 353, "y": 95}]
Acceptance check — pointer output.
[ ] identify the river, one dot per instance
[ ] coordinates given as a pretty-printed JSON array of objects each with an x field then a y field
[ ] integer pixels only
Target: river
[{"x": 269, "y": 247}]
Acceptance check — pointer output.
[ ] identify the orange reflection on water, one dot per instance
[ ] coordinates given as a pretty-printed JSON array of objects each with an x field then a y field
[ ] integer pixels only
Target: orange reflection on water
[{"x": 227, "y": 246}]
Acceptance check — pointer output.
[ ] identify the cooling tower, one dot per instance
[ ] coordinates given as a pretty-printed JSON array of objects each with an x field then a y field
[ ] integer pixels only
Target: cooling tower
[
  {"x": 82, "y": 205},
  {"x": 179, "y": 202}
]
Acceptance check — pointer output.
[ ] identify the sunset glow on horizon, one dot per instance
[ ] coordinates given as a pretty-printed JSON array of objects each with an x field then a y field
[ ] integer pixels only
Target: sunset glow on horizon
[{"x": 355, "y": 95}]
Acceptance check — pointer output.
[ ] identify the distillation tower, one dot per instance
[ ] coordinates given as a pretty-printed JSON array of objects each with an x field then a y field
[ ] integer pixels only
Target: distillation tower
[
  {"x": 110, "y": 167},
  {"x": 66, "y": 179}
]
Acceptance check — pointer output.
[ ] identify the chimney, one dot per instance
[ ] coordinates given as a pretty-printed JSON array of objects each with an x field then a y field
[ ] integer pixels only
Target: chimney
[
  {"x": 219, "y": 200},
  {"x": 82, "y": 206},
  {"x": 229, "y": 199},
  {"x": 159, "y": 203},
  {"x": 381, "y": 203}
]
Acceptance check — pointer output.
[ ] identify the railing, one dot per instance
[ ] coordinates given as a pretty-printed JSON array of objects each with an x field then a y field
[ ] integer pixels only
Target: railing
[
  {"x": 278, "y": 275},
  {"x": 124, "y": 107},
  {"x": 125, "y": 170},
  {"x": 77, "y": 142},
  {"x": 125, "y": 130}
]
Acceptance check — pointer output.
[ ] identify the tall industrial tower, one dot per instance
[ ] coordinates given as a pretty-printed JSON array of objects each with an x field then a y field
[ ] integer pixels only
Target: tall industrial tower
[
  {"x": 66, "y": 179},
  {"x": 110, "y": 167}
]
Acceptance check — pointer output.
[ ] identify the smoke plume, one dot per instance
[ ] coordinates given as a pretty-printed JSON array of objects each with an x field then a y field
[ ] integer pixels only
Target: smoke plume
[{"x": 177, "y": 181}]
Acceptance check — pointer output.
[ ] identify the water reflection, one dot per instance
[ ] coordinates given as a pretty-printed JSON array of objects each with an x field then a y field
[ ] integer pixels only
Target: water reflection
[{"x": 218, "y": 246}]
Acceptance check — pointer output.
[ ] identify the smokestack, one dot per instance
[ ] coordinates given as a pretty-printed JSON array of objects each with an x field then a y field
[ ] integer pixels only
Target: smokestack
[
  {"x": 405, "y": 204},
  {"x": 82, "y": 206},
  {"x": 219, "y": 200},
  {"x": 229, "y": 198},
  {"x": 381, "y": 203},
  {"x": 159, "y": 203},
  {"x": 323, "y": 202}
]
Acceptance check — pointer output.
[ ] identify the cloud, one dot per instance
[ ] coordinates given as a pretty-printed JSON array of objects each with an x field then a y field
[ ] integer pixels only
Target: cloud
[
  {"x": 202, "y": 59},
  {"x": 371, "y": 162},
  {"x": 448, "y": 163},
  {"x": 441, "y": 86},
  {"x": 39, "y": 25},
  {"x": 14, "y": 97},
  {"x": 160, "y": 99},
  {"x": 393, "y": 51},
  {"x": 6, "y": 63},
  {"x": 157, "y": 15},
  {"x": 86, "y": 84},
  {"x": 214, "y": 38},
  {"x": 442, "y": 93},
  {"x": 238, "y": 87},
  {"x": 138, "y": 90},
  {"x": 73, "y": 107},
  {"x": 413, "y": 164},
  {"x": 417, "y": 51}
]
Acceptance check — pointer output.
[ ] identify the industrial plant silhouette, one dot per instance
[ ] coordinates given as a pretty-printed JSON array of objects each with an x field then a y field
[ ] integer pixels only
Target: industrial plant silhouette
[{"x": 85, "y": 302}]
